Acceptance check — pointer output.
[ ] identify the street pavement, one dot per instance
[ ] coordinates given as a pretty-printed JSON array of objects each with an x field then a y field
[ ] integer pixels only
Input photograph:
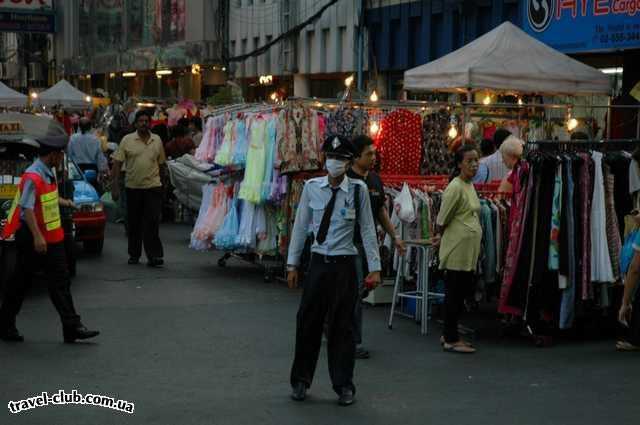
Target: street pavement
[{"x": 194, "y": 343}]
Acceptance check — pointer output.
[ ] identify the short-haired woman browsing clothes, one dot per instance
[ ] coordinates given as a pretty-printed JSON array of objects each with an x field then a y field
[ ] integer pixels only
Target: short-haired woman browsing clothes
[{"x": 459, "y": 235}]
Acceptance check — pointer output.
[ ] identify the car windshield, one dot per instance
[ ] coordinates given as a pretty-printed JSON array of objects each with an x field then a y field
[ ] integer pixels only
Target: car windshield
[{"x": 74, "y": 172}]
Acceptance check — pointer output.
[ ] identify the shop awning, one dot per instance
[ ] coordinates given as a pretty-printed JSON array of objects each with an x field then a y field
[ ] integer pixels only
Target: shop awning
[
  {"x": 10, "y": 98},
  {"x": 63, "y": 94},
  {"x": 507, "y": 59}
]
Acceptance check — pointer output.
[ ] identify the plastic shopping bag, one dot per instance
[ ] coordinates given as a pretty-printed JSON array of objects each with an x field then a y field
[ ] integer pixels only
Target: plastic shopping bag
[{"x": 403, "y": 204}]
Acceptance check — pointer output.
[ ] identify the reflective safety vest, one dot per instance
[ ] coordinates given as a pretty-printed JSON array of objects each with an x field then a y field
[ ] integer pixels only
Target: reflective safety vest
[{"x": 46, "y": 210}]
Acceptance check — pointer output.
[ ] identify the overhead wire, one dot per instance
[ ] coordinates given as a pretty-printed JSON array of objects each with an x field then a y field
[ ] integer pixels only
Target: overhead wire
[{"x": 295, "y": 30}]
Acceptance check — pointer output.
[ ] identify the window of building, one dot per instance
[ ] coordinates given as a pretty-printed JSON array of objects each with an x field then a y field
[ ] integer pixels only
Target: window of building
[
  {"x": 243, "y": 67},
  {"x": 267, "y": 57},
  {"x": 311, "y": 57},
  {"x": 324, "y": 49},
  {"x": 341, "y": 48},
  {"x": 254, "y": 60}
]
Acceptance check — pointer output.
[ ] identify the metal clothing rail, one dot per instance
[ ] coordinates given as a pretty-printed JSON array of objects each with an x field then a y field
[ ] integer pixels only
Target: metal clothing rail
[{"x": 466, "y": 106}]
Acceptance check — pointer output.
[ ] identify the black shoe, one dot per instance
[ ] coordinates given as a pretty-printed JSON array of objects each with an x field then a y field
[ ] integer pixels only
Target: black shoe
[
  {"x": 11, "y": 334},
  {"x": 155, "y": 262},
  {"x": 362, "y": 353},
  {"x": 299, "y": 392},
  {"x": 133, "y": 260},
  {"x": 79, "y": 332},
  {"x": 347, "y": 397}
]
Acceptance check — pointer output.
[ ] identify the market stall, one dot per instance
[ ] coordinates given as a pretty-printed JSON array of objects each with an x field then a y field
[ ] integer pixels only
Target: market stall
[
  {"x": 507, "y": 59},
  {"x": 64, "y": 95},
  {"x": 10, "y": 98}
]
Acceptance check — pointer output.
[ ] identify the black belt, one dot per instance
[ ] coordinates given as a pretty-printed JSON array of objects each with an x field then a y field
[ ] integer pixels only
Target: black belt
[{"x": 332, "y": 259}]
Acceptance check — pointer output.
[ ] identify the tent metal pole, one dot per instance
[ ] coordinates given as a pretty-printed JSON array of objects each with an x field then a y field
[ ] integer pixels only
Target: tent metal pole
[{"x": 609, "y": 119}]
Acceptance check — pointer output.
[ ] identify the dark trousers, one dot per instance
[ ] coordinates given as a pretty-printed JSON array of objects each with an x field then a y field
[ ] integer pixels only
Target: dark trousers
[
  {"x": 144, "y": 208},
  {"x": 457, "y": 286},
  {"x": 329, "y": 292},
  {"x": 54, "y": 265}
]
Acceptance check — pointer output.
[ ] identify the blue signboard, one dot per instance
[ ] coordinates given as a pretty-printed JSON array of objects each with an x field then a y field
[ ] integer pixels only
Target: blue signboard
[
  {"x": 573, "y": 26},
  {"x": 27, "y": 22}
]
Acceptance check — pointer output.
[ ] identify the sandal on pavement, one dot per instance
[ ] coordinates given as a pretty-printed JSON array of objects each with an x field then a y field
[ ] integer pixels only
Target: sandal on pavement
[
  {"x": 458, "y": 347},
  {"x": 468, "y": 344},
  {"x": 626, "y": 346}
]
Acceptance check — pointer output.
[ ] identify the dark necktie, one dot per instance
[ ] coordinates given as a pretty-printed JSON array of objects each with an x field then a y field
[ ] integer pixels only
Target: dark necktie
[{"x": 326, "y": 218}]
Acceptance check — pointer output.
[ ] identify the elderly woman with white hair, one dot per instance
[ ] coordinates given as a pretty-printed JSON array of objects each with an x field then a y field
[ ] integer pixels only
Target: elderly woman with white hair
[{"x": 511, "y": 150}]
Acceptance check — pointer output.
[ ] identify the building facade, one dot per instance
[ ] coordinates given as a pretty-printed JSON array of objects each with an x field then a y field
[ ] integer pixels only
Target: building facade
[
  {"x": 118, "y": 45},
  {"x": 26, "y": 38},
  {"x": 312, "y": 62},
  {"x": 407, "y": 33},
  {"x": 404, "y": 34}
]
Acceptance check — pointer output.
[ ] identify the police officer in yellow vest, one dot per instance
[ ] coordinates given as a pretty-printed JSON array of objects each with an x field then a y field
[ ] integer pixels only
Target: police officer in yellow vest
[{"x": 34, "y": 219}]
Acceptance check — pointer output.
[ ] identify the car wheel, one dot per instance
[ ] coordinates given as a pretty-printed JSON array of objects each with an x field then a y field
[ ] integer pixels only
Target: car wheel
[{"x": 93, "y": 247}]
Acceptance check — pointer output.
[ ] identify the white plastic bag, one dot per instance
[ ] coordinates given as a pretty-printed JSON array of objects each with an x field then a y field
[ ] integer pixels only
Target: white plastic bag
[{"x": 403, "y": 204}]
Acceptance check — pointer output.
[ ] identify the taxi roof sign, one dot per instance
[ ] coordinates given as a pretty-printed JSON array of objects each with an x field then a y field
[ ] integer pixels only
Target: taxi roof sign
[{"x": 11, "y": 127}]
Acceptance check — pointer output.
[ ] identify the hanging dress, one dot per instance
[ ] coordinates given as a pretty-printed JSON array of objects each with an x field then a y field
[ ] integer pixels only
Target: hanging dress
[
  {"x": 269, "y": 172},
  {"x": 225, "y": 154},
  {"x": 251, "y": 187},
  {"x": 198, "y": 240},
  {"x": 246, "y": 237},
  {"x": 226, "y": 237},
  {"x": 241, "y": 146},
  {"x": 601, "y": 269}
]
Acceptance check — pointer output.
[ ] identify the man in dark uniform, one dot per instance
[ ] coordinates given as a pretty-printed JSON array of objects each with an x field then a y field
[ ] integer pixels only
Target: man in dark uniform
[
  {"x": 35, "y": 221},
  {"x": 365, "y": 158},
  {"x": 330, "y": 206}
]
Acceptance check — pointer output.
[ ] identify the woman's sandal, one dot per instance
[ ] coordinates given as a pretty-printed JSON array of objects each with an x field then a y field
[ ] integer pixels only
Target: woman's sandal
[
  {"x": 626, "y": 346},
  {"x": 458, "y": 347},
  {"x": 468, "y": 344}
]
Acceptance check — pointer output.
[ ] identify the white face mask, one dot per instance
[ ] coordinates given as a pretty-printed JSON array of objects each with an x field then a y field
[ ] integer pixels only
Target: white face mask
[{"x": 336, "y": 167}]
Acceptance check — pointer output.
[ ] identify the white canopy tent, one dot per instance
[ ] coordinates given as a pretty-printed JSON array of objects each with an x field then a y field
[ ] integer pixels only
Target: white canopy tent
[
  {"x": 65, "y": 95},
  {"x": 507, "y": 59},
  {"x": 10, "y": 98}
]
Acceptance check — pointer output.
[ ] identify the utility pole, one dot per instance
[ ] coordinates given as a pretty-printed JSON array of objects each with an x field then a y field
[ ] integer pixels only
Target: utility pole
[{"x": 360, "y": 47}]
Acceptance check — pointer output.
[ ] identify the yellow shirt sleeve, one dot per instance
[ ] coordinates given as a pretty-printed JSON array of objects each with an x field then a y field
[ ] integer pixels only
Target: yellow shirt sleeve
[
  {"x": 119, "y": 154},
  {"x": 450, "y": 199},
  {"x": 162, "y": 157}
]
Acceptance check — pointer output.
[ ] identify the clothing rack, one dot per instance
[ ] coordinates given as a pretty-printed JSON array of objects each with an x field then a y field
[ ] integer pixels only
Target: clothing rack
[{"x": 602, "y": 145}]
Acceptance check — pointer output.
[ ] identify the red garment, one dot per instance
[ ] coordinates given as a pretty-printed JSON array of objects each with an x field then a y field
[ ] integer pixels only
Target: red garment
[
  {"x": 400, "y": 143},
  {"x": 179, "y": 146}
]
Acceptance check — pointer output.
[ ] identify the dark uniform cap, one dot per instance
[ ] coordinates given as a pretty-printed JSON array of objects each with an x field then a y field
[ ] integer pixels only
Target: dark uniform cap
[
  {"x": 52, "y": 144},
  {"x": 338, "y": 146}
]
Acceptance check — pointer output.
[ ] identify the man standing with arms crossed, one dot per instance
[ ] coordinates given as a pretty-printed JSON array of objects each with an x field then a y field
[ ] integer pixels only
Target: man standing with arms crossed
[
  {"x": 143, "y": 154},
  {"x": 331, "y": 206}
]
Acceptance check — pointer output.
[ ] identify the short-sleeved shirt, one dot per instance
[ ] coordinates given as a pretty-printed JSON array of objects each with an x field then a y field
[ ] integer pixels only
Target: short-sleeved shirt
[
  {"x": 462, "y": 236},
  {"x": 376, "y": 194},
  {"x": 84, "y": 148},
  {"x": 142, "y": 160},
  {"x": 28, "y": 194}
]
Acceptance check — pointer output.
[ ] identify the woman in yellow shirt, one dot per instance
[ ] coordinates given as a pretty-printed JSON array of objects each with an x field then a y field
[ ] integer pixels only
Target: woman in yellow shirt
[{"x": 459, "y": 224}]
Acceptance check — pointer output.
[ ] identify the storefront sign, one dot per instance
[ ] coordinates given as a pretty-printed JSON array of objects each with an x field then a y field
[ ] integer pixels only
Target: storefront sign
[
  {"x": 27, "y": 5},
  {"x": 573, "y": 26},
  {"x": 27, "y": 22}
]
